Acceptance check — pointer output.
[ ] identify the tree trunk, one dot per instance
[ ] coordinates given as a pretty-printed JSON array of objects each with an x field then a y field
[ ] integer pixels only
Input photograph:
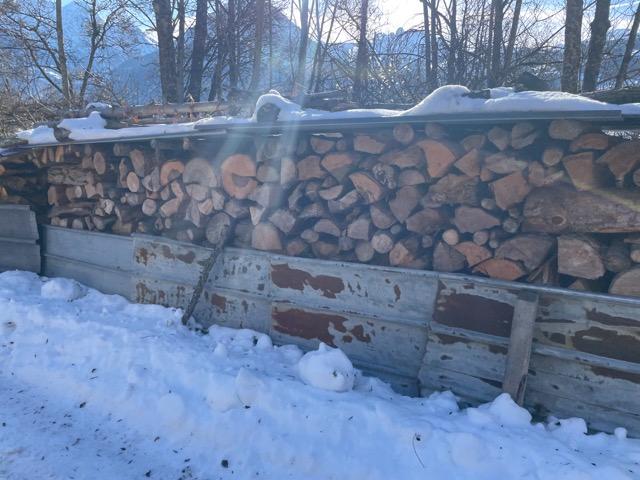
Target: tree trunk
[
  {"x": 362, "y": 58},
  {"x": 257, "y": 49},
  {"x": 299, "y": 80},
  {"x": 216, "y": 80},
  {"x": 427, "y": 43},
  {"x": 513, "y": 33},
  {"x": 434, "y": 46},
  {"x": 599, "y": 27},
  {"x": 62, "y": 56},
  {"x": 572, "y": 45},
  {"x": 166, "y": 50},
  {"x": 231, "y": 45},
  {"x": 631, "y": 45},
  {"x": 496, "y": 45},
  {"x": 197, "y": 53},
  {"x": 180, "y": 51}
]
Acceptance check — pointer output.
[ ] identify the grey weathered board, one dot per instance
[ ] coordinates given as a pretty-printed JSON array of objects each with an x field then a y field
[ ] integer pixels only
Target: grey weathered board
[
  {"x": 101, "y": 261},
  {"x": 19, "y": 249},
  {"x": 419, "y": 330}
]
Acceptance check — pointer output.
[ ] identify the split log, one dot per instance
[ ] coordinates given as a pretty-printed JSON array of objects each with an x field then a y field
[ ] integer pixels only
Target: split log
[
  {"x": 152, "y": 181},
  {"x": 141, "y": 161},
  {"x": 469, "y": 163},
  {"x": 473, "y": 253},
  {"x": 481, "y": 237},
  {"x": 133, "y": 182},
  {"x": 339, "y": 164},
  {"x": 626, "y": 283},
  {"x": 410, "y": 157},
  {"x": 385, "y": 175},
  {"x": 552, "y": 155},
  {"x": 529, "y": 249},
  {"x": 617, "y": 257},
  {"x": 500, "y": 268},
  {"x": 170, "y": 171},
  {"x": 218, "y": 228},
  {"x": 267, "y": 174},
  {"x": 321, "y": 145},
  {"x": 561, "y": 209},
  {"x": 622, "y": 159},
  {"x": 56, "y": 195},
  {"x": 404, "y": 133},
  {"x": 425, "y": 221},
  {"x": 381, "y": 216},
  {"x": 454, "y": 189},
  {"x": 288, "y": 171},
  {"x": 590, "y": 141},
  {"x": 500, "y": 137},
  {"x": 476, "y": 141},
  {"x": 238, "y": 172},
  {"x": 69, "y": 175},
  {"x": 309, "y": 167},
  {"x": 523, "y": 134},
  {"x": 266, "y": 237},
  {"x": 372, "y": 144},
  {"x": 369, "y": 189},
  {"x": 404, "y": 253},
  {"x": 567, "y": 129},
  {"x": 447, "y": 258},
  {"x": 583, "y": 171},
  {"x": 170, "y": 207},
  {"x": 440, "y": 156},
  {"x": 411, "y": 177},
  {"x": 200, "y": 171},
  {"x": 450, "y": 236},
  {"x": 327, "y": 227},
  {"x": 510, "y": 190},
  {"x": 382, "y": 241},
  {"x": 149, "y": 207},
  {"x": 470, "y": 219},
  {"x": 360, "y": 229},
  {"x": 364, "y": 251},
  {"x": 580, "y": 256},
  {"x": 504, "y": 163},
  {"x": 405, "y": 201},
  {"x": 197, "y": 191}
]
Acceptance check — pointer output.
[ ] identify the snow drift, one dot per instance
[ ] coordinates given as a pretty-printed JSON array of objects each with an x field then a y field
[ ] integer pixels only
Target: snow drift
[{"x": 231, "y": 404}]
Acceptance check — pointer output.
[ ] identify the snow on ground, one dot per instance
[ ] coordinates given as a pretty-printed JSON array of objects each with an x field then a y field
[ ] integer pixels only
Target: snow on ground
[
  {"x": 92, "y": 386},
  {"x": 444, "y": 100}
]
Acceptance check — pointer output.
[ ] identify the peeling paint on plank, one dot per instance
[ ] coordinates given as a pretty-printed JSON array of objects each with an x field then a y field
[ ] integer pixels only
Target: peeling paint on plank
[{"x": 284, "y": 276}]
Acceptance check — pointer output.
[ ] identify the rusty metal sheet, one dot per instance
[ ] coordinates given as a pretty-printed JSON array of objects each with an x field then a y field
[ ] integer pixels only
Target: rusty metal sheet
[
  {"x": 407, "y": 295},
  {"x": 161, "y": 292},
  {"x": 393, "y": 346}
]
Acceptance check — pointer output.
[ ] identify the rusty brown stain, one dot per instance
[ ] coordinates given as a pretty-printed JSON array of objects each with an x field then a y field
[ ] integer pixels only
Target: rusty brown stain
[
  {"x": 284, "y": 276},
  {"x": 497, "y": 349},
  {"x": 616, "y": 374},
  {"x": 474, "y": 312},
  {"x": 300, "y": 323},
  {"x": 315, "y": 325},
  {"x": 396, "y": 290},
  {"x": 608, "y": 343},
  {"x": 143, "y": 256},
  {"x": 188, "y": 257},
  {"x": 611, "y": 320},
  {"x": 358, "y": 332},
  {"x": 219, "y": 301},
  {"x": 449, "y": 339},
  {"x": 245, "y": 306},
  {"x": 143, "y": 294}
]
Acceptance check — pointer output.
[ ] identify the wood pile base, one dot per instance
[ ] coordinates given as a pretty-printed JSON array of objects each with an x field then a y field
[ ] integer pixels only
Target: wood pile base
[{"x": 551, "y": 203}]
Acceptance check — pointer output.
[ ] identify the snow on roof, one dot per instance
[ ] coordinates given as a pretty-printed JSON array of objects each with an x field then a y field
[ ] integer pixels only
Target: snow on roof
[{"x": 450, "y": 99}]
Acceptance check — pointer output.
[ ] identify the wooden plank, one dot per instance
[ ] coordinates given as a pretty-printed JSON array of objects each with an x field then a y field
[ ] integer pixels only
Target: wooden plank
[
  {"x": 106, "y": 280},
  {"x": 109, "y": 251},
  {"x": 17, "y": 255},
  {"x": 18, "y": 221},
  {"x": 398, "y": 346},
  {"x": 519, "y": 353}
]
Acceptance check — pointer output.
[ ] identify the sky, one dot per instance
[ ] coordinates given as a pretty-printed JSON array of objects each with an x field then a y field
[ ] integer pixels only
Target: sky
[{"x": 401, "y": 13}]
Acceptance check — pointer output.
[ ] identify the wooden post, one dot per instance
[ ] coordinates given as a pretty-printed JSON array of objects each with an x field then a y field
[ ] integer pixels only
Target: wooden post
[{"x": 519, "y": 354}]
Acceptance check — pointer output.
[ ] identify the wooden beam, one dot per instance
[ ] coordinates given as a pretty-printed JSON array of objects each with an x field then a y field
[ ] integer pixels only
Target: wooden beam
[{"x": 519, "y": 353}]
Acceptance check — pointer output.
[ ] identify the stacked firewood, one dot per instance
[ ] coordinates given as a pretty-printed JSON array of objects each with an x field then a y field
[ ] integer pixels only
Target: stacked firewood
[
  {"x": 555, "y": 203},
  {"x": 20, "y": 181}
]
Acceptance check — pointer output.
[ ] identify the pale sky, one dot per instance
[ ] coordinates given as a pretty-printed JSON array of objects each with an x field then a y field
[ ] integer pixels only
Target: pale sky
[{"x": 402, "y": 13}]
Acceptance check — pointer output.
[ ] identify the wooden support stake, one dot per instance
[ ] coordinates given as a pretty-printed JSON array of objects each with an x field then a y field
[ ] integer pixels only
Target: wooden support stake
[{"x": 519, "y": 354}]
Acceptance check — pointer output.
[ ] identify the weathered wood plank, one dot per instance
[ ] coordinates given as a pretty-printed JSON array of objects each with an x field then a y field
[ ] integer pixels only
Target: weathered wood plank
[
  {"x": 19, "y": 222},
  {"x": 519, "y": 353},
  {"x": 19, "y": 255}
]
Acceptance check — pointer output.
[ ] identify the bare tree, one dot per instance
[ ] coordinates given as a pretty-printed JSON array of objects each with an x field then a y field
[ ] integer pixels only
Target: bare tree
[
  {"x": 257, "y": 48},
  {"x": 198, "y": 50},
  {"x": 166, "y": 50},
  {"x": 599, "y": 27},
  {"x": 427, "y": 42},
  {"x": 299, "y": 84},
  {"x": 572, "y": 46},
  {"x": 362, "y": 57},
  {"x": 628, "y": 51},
  {"x": 496, "y": 44}
]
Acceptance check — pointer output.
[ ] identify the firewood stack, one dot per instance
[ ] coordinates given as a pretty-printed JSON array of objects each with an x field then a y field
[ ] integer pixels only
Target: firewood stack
[
  {"x": 21, "y": 182},
  {"x": 553, "y": 203}
]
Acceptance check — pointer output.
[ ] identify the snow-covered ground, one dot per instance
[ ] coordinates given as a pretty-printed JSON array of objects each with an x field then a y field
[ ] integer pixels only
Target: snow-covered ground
[{"x": 93, "y": 387}]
